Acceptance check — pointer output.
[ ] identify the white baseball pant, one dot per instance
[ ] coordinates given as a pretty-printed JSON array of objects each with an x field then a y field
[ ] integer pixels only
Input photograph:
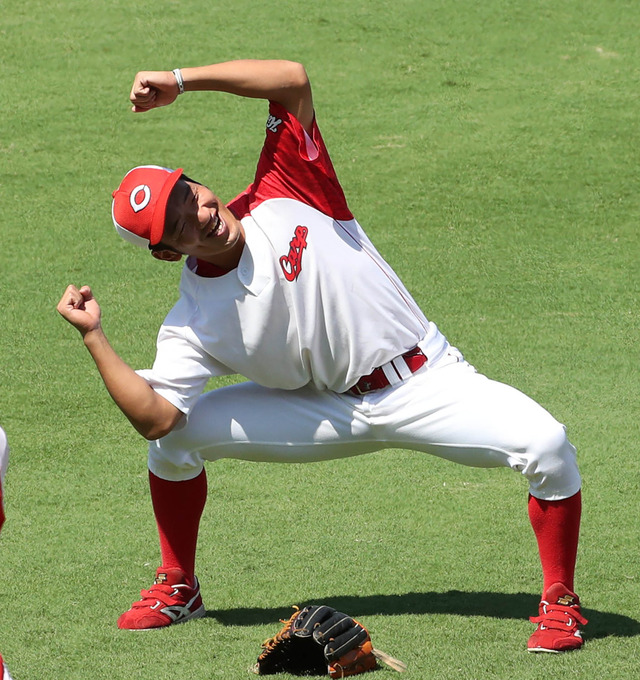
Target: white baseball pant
[{"x": 447, "y": 410}]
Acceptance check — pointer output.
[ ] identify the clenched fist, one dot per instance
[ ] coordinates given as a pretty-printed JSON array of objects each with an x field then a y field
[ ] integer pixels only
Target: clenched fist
[{"x": 152, "y": 89}]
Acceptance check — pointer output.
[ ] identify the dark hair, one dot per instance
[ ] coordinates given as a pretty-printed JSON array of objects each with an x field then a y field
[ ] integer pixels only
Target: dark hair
[{"x": 163, "y": 246}]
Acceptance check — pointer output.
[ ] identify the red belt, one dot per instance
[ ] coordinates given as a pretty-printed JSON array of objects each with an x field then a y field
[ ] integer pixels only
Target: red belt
[{"x": 393, "y": 372}]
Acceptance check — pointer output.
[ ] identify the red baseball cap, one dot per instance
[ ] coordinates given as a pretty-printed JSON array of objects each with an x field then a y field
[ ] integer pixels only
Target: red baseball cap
[{"x": 140, "y": 203}]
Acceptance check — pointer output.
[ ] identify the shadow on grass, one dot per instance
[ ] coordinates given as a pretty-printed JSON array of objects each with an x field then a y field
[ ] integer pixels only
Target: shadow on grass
[{"x": 453, "y": 602}]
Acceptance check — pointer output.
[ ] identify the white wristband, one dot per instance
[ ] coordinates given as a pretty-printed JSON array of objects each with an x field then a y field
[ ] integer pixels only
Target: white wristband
[{"x": 178, "y": 74}]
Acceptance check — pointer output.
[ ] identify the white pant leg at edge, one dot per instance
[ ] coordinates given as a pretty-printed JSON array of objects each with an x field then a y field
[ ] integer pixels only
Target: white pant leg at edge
[
  {"x": 5, "y": 673},
  {"x": 4, "y": 460},
  {"x": 4, "y": 454}
]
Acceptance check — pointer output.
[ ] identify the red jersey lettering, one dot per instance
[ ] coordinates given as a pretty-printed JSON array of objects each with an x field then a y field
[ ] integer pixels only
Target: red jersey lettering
[{"x": 292, "y": 263}]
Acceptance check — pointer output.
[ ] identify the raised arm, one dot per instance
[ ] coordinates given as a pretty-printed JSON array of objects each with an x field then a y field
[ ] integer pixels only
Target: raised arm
[
  {"x": 151, "y": 415},
  {"x": 285, "y": 82}
]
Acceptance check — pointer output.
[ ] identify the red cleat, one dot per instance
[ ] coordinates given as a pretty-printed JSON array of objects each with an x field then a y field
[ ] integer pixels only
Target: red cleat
[
  {"x": 559, "y": 622},
  {"x": 171, "y": 599}
]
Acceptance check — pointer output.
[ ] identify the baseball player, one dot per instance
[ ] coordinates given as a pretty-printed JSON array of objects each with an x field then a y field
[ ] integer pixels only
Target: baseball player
[
  {"x": 4, "y": 461},
  {"x": 282, "y": 286}
]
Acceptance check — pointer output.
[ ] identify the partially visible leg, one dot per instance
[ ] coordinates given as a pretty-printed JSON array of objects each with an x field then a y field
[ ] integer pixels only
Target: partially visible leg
[
  {"x": 4, "y": 461},
  {"x": 4, "y": 670}
]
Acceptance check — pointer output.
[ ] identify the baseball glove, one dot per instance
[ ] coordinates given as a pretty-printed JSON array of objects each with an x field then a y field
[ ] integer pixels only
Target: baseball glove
[{"x": 317, "y": 640}]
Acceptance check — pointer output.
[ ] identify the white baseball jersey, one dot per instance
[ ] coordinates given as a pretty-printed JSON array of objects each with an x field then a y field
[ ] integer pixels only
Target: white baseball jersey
[{"x": 311, "y": 300}]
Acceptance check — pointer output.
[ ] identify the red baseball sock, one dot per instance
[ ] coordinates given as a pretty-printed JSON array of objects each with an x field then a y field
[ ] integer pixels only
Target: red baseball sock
[
  {"x": 556, "y": 525},
  {"x": 178, "y": 507}
]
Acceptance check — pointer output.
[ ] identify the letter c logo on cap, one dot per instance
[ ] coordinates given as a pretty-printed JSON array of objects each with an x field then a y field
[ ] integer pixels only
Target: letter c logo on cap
[{"x": 146, "y": 197}]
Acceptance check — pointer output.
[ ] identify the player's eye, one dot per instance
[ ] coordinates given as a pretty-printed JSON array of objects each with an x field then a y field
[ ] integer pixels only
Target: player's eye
[{"x": 170, "y": 230}]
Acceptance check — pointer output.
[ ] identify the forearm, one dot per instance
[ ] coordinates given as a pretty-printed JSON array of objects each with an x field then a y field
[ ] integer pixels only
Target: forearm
[
  {"x": 285, "y": 82},
  {"x": 263, "y": 79},
  {"x": 149, "y": 413}
]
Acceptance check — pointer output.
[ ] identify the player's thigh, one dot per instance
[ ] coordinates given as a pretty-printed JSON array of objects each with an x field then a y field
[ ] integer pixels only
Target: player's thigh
[
  {"x": 252, "y": 422},
  {"x": 463, "y": 416},
  {"x": 459, "y": 407}
]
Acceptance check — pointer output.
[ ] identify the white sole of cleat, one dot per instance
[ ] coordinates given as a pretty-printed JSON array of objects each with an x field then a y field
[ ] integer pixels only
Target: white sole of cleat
[{"x": 197, "y": 614}]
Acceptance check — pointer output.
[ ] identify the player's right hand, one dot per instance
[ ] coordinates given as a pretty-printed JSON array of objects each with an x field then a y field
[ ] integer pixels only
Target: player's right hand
[
  {"x": 80, "y": 309},
  {"x": 152, "y": 89}
]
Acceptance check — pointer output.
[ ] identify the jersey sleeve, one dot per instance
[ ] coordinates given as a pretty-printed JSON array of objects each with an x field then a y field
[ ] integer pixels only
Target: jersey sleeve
[
  {"x": 293, "y": 164},
  {"x": 181, "y": 368}
]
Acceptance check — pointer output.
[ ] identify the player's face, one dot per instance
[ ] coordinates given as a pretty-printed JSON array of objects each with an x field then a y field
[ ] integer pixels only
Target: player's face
[{"x": 199, "y": 224}]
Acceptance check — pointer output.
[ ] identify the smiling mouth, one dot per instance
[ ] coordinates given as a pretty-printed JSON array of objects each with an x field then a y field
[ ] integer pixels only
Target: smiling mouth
[{"x": 215, "y": 226}]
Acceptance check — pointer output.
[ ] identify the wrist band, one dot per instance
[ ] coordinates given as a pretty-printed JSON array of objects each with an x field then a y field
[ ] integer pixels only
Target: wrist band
[{"x": 178, "y": 74}]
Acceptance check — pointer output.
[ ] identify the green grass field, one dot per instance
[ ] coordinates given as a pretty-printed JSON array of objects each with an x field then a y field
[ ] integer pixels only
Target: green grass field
[{"x": 491, "y": 152}]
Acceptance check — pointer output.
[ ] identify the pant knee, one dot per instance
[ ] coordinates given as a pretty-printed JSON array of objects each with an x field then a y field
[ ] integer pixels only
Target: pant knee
[
  {"x": 552, "y": 468},
  {"x": 171, "y": 461}
]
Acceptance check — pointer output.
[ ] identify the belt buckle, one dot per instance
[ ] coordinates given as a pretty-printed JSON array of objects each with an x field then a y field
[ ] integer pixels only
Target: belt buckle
[{"x": 361, "y": 391}]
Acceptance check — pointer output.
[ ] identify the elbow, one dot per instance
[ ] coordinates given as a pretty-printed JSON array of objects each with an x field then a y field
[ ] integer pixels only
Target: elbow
[
  {"x": 158, "y": 429},
  {"x": 155, "y": 432},
  {"x": 157, "y": 419},
  {"x": 297, "y": 75}
]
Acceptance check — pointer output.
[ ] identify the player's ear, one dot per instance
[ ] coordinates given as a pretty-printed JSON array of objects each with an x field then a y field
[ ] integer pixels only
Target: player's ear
[{"x": 167, "y": 255}]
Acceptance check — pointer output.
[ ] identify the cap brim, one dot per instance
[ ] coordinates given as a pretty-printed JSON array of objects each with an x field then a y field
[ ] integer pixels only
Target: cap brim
[{"x": 160, "y": 212}]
